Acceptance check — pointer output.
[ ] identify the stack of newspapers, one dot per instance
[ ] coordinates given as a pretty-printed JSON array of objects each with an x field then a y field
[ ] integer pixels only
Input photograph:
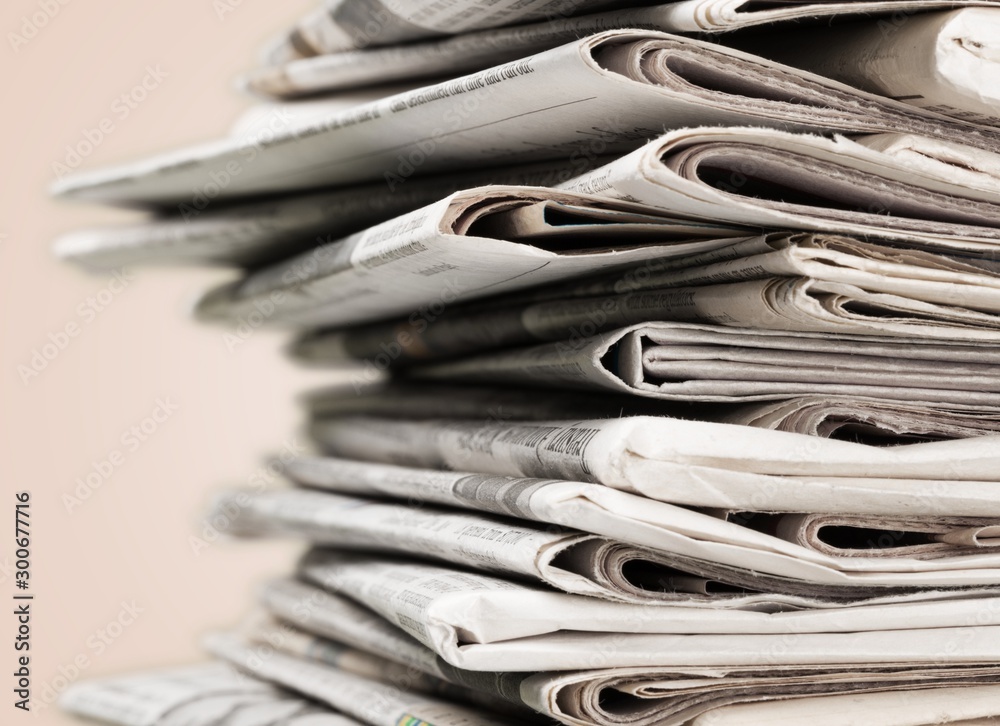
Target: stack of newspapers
[{"x": 671, "y": 338}]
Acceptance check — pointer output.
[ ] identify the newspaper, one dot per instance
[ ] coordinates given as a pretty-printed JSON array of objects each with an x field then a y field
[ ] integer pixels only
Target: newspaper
[
  {"x": 937, "y": 61},
  {"x": 960, "y": 277},
  {"x": 686, "y": 362},
  {"x": 914, "y": 536},
  {"x": 600, "y": 95},
  {"x": 446, "y": 57},
  {"x": 268, "y": 230},
  {"x": 874, "y": 421},
  {"x": 786, "y": 304},
  {"x": 398, "y": 399},
  {"x": 799, "y": 282},
  {"x": 322, "y": 287},
  {"x": 963, "y": 706},
  {"x": 375, "y": 657},
  {"x": 885, "y": 185},
  {"x": 570, "y": 561},
  {"x": 474, "y": 242},
  {"x": 696, "y": 463},
  {"x": 870, "y": 420},
  {"x": 206, "y": 695},
  {"x": 583, "y": 564},
  {"x": 342, "y": 25},
  {"x": 934, "y": 61},
  {"x": 482, "y": 623},
  {"x": 609, "y": 696},
  {"x": 367, "y": 700},
  {"x": 761, "y": 552},
  {"x": 866, "y": 420}
]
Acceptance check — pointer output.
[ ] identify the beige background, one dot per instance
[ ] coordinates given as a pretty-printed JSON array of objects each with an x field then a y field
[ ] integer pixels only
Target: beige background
[{"x": 130, "y": 540}]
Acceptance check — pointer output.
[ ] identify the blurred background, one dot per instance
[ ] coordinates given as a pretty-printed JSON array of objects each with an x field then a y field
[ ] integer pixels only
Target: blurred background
[{"x": 122, "y": 431}]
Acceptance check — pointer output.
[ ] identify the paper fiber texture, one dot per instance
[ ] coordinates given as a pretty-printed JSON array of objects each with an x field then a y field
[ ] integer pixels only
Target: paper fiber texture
[
  {"x": 695, "y": 463},
  {"x": 207, "y": 695},
  {"x": 745, "y": 552},
  {"x": 939, "y": 61},
  {"x": 687, "y": 362},
  {"x": 369, "y": 701},
  {"x": 475, "y": 242},
  {"x": 600, "y": 95},
  {"x": 482, "y": 623},
  {"x": 275, "y": 228}
]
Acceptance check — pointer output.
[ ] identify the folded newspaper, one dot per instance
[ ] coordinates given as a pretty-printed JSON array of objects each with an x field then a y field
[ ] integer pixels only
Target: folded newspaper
[
  {"x": 380, "y": 652},
  {"x": 341, "y": 25},
  {"x": 963, "y": 273},
  {"x": 599, "y": 95},
  {"x": 444, "y": 57},
  {"x": 885, "y": 185},
  {"x": 696, "y": 463},
  {"x": 788, "y": 282},
  {"x": 368, "y": 700},
  {"x": 933, "y": 60},
  {"x": 686, "y": 362},
  {"x": 642, "y": 696},
  {"x": 206, "y": 695},
  {"x": 939, "y": 61},
  {"x": 826, "y": 549},
  {"x": 484, "y": 623},
  {"x": 272, "y": 229},
  {"x": 491, "y": 239},
  {"x": 876, "y": 421},
  {"x": 616, "y": 569}
]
